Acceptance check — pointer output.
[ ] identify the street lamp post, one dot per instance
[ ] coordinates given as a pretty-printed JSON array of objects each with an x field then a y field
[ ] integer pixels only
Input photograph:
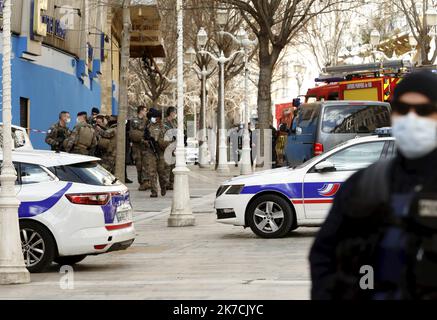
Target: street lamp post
[
  {"x": 181, "y": 213},
  {"x": 203, "y": 74},
  {"x": 202, "y": 37},
  {"x": 375, "y": 38},
  {"x": 242, "y": 39},
  {"x": 12, "y": 268}
]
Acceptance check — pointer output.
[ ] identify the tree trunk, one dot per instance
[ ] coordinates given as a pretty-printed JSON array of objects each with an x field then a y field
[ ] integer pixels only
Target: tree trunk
[
  {"x": 265, "y": 117},
  {"x": 123, "y": 93},
  {"x": 266, "y": 64}
]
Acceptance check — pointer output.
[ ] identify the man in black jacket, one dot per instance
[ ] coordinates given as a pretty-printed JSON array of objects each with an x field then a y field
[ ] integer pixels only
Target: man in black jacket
[{"x": 379, "y": 240}]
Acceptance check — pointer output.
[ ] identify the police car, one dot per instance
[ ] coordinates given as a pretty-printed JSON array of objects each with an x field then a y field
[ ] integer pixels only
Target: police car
[
  {"x": 70, "y": 208},
  {"x": 20, "y": 137},
  {"x": 275, "y": 202}
]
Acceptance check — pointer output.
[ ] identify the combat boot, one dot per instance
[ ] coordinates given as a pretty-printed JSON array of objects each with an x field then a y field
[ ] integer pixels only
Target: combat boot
[
  {"x": 163, "y": 191},
  {"x": 154, "y": 195},
  {"x": 144, "y": 186}
]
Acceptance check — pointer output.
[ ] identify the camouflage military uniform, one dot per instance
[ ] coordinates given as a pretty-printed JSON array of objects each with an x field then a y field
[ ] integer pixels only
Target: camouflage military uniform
[
  {"x": 56, "y": 136},
  {"x": 107, "y": 143},
  {"x": 82, "y": 140},
  {"x": 136, "y": 134},
  {"x": 170, "y": 125},
  {"x": 100, "y": 132},
  {"x": 155, "y": 162}
]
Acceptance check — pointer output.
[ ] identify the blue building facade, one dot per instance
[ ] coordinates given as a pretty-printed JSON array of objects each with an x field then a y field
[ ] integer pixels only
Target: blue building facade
[
  {"x": 44, "y": 87},
  {"x": 66, "y": 56}
]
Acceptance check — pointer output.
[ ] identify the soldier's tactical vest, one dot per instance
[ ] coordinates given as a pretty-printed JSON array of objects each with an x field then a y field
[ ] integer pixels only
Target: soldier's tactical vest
[
  {"x": 85, "y": 136},
  {"x": 135, "y": 135},
  {"x": 136, "y": 132}
]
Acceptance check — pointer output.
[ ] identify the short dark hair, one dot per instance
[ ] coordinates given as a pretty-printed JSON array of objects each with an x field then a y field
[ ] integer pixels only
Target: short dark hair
[
  {"x": 140, "y": 108},
  {"x": 62, "y": 113},
  {"x": 82, "y": 113},
  {"x": 95, "y": 110},
  {"x": 170, "y": 110}
]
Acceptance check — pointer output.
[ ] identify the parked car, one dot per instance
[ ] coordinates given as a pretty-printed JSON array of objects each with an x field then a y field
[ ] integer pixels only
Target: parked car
[
  {"x": 71, "y": 207},
  {"x": 19, "y": 136},
  {"x": 319, "y": 127},
  {"x": 274, "y": 202}
]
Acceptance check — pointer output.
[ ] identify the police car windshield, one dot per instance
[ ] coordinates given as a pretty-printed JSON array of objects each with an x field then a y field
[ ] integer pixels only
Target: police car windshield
[
  {"x": 302, "y": 165},
  {"x": 87, "y": 173}
]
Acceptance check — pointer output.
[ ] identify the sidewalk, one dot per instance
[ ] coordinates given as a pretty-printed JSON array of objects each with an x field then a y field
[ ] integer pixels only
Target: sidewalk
[{"x": 207, "y": 261}]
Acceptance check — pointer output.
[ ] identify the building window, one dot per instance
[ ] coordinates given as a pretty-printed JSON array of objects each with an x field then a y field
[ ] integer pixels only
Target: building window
[{"x": 24, "y": 113}]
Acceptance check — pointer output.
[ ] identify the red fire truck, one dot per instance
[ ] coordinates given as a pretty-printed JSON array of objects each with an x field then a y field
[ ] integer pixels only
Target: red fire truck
[{"x": 370, "y": 82}]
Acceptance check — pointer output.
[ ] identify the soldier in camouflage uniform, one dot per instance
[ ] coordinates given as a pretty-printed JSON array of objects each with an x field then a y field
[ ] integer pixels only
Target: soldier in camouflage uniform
[
  {"x": 155, "y": 147},
  {"x": 58, "y": 132},
  {"x": 100, "y": 126},
  {"x": 170, "y": 125},
  {"x": 107, "y": 142},
  {"x": 83, "y": 138},
  {"x": 136, "y": 136}
]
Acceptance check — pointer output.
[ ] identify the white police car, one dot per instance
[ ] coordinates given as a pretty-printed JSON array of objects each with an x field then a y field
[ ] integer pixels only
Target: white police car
[
  {"x": 70, "y": 208},
  {"x": 274, "y": 202},
  {"x": 20, "y": 137}
]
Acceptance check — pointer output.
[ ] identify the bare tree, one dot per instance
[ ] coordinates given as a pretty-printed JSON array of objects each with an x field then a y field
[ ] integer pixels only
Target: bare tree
[
  {"x": 275, "y": 23},
  {"x": 325, "y": 35},
  {"x": 415, "y": 14},
  {"x": 148, "y": 79}
]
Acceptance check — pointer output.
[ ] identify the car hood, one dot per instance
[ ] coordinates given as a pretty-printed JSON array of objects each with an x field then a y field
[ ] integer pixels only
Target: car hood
[{"x": 267, "y": 176}]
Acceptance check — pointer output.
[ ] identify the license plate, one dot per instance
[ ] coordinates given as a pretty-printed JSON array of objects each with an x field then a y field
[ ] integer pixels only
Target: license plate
[{"x": 124, "y": 216}]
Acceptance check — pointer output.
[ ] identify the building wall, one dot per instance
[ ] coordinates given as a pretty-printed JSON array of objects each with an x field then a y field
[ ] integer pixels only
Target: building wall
[
  {"x": 51, "y": 85},
  {"x": 55, "y": 72}
]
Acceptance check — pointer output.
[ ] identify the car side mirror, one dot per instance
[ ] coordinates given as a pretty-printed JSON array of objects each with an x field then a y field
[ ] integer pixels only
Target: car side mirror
[{"x": 325, "y": 166}]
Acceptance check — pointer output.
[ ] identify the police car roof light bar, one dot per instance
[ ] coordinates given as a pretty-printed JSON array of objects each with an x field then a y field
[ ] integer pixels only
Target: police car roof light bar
[{"x": 383, "y": 132}]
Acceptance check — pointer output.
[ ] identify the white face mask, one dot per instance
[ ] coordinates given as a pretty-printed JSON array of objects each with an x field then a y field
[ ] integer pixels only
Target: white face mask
[
  {"x": 415, "y": 136},
  {"x": 153, "y": 120},
  {"x": 68, "y": 120}
]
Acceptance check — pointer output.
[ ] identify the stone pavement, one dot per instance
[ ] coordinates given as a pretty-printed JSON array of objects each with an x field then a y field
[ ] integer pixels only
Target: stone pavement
[{"x": 207, "y": 261}]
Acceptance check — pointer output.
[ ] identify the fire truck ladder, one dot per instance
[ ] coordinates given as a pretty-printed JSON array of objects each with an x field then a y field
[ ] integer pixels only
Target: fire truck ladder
[{"x": 348, "y": 72}]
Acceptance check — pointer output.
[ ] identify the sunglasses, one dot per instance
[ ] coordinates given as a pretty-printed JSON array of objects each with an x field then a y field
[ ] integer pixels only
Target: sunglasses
[{"x": 423, "y": 110}]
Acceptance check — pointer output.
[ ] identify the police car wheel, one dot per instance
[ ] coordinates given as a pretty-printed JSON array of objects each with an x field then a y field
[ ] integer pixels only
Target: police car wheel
[
  {"x": 37, "y": 244},
  {"x": 270, "y": 216},
  {"x": 69, "y": 260}
]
